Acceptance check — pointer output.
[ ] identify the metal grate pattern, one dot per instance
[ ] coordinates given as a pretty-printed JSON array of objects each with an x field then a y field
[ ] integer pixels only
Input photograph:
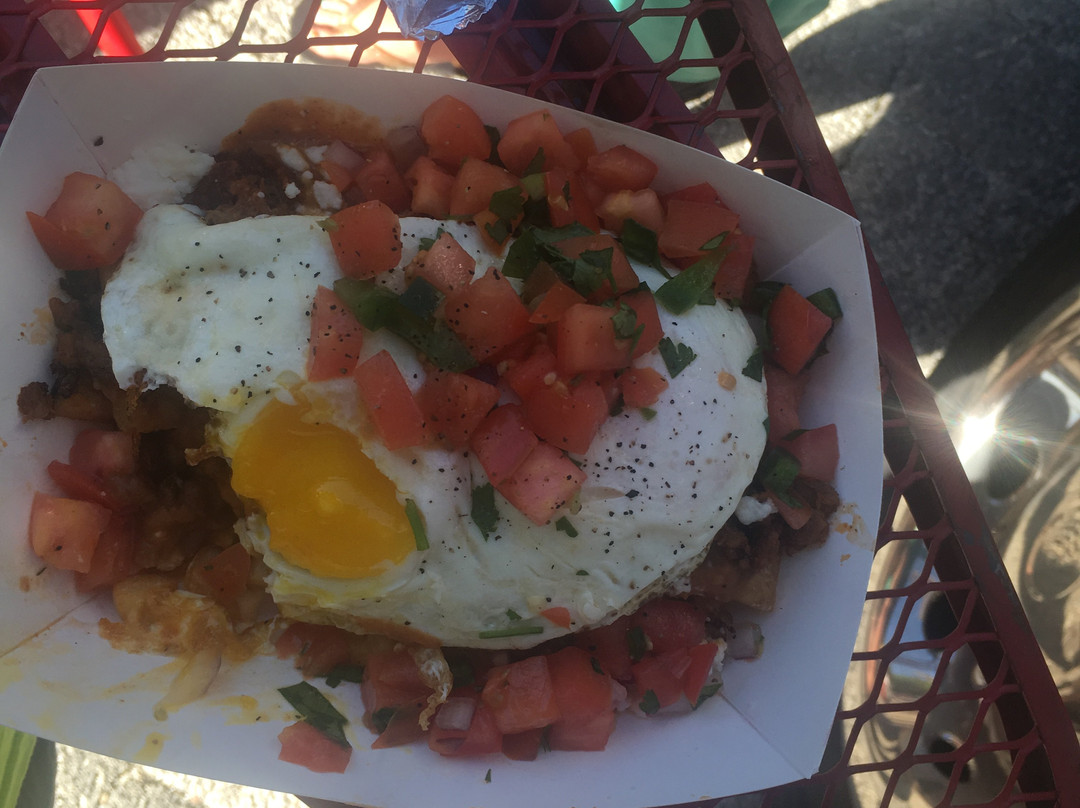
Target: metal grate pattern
[{"x": 948, "y": 700}]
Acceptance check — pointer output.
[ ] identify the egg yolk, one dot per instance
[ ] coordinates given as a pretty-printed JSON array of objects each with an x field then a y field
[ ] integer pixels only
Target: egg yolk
[{"x": 329, "y": 509}]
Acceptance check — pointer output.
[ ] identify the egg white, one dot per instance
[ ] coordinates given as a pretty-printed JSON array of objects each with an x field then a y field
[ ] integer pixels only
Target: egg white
[{"x": 236, "y": 298}]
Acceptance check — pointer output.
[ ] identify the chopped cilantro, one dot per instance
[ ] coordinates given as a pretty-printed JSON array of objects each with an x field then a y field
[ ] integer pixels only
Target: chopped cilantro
[
  {"x": 637, "y": 643},
  {"x": 511, "y": 615},
  {"x": 707, "y": 692},
  {"x": 426, "y": 243},
  {"x": 596, "y": 665},
  {"x": 777, "y": 471},
  {"x": 676, "y": 356},
  {"x": 648, "y": 413},
  {"x": 589, "y": 270},
  {"x": 494, "y": 137},
  {"x": 755, "y": 365},
  {"x": 564, "y": 525},
  {"x": 626, "y": 324},
  {"x": 484, "y": 513},
  {"x": 641, "y": 244},
  {"x": 693, "y": 285},
  {"x": 421, "y": 298},
  {"x": 345, "y": 673},
  {"x": 416, "y": 522},
  {"x": 827, "y": 302},
  {"x": 487, "y": 777},
  {"x": 649, "y": 703},
  {"x": 536, "y": 164},
  {"x": 582, "y": 572},
  {"x": 714, "y": 242},
  {"x": 316, "y": 709},
  {"x": 328, "y": 224},
  {"x": 518, "y": 630},
  {"x": 381, "y": 718}
]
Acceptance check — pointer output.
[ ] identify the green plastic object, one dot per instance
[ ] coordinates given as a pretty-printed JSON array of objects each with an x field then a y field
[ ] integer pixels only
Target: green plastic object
[
  {"x": 660, "y": 35},
  {"x": 15, "y": 751}
]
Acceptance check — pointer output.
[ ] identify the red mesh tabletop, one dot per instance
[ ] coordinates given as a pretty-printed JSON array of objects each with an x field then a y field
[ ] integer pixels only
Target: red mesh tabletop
[{"x": 1011, "y": 741}]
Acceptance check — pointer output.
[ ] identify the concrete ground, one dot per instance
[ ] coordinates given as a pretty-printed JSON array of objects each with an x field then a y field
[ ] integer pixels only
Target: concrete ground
[{"x": 954, "y": 125}]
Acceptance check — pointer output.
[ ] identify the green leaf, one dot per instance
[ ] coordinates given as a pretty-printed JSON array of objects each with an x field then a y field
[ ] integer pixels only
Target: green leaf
[
  {"x": 642, "y": 245},
  {"x": 714, "y": 242},
  {"x": 487, "y": 777},
  {"x": 519, "y": 630},
  {"x": 707, "y": 692},
  {"x": 648, "y": 413},
  {"x": 376, "y": 307},
  {"x": 316, "y": 709},
  {"x": 589, "y": 270},
  {"x": 827, "y": 302},
  {"x": 582, "y": 572},
  {"x": 637, "y": 643},
  {"x": 380, "y": 719},
  {"x": 328, "y": 224},
  {"x": 421, "y": 298},
  {"x": 345, "y": 673},
  {"x": 778, "y": 470},
  {"x": 512, "y": 616},
  {"x": 649, "y": 703},
  {"x": 508, "y": 203},
  {"x": 693, "y": 285},
  {"x": 536, "y": 164},
  {"x": 563, "y": 524},
  {"x": 676, "y": 356},
  {"x": 755, "y": 365},
  {"x": 426, "y": 243},
  {"x": 484, "y": 513},
  {"x": 626, "y": 324},
  {"x": 416, "y": 522},
  {"x": 494, "y": 137}
]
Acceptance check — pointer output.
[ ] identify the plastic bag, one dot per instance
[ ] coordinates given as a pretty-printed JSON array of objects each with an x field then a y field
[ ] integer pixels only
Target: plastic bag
[{"x": 429, "y": 19}]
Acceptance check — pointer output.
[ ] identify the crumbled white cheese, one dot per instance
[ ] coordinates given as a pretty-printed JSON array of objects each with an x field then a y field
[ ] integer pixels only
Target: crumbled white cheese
[
  {"x": 315, "y": 154},
  {"x": 292, "y": 191},
  {"x": 750, "y": 510},
  {"x": 327, "y": 196},
  {"x": 292, "y": 157}
]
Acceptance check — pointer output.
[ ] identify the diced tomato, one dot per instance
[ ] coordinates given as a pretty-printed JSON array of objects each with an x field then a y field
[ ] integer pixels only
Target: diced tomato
[
  {"x": 336, "y": 338},
  {"x": 453, "y": 132},
  {"x": 641, "y": 387},
  {"x": 589, "y": 735},
  {"x": 336, "y": 174},
  {"x": 586, "y": 340},
  {"x": 568, "y": 201},
  {"x": 389, "y": 402},
  {"x": 430, "y": 186},
  {"x": 669, "y": 623},
  {"x": 544, "y": 482},
  {"x": 454, "y": 404},
  {"x": 580, "y": 690},
  {"x": 380, "y": 179},
  {"x": 556, "y": 300},
  {"x": 697, "y": 672},
  {"x": 644, "y": 305},
  {"x": 557, "y": 615},
  {"x": 106, "y": 453},
  {"x": 608, "y": 382},
  {"x": 523, "y": 745},
  {"x": 536, "y": 371},
  {"x": 224, "y": 577},
  {"x": 392, "y": 679},
  {"x": 113, "y": 559},
  {"x": 494, "y": 230},
  {"x": 89, "y": 225},
  {"x": 817, "y": 451},
  {"x": 530, "y": 134},
  {"x": 502, "y": 441},
  {"x": 784, "y": 393},
  {"x": 610, "y": 647},
  {"x": 317, "y": 649},
  {"x": 797, "y": 328},
  {"x": 79, "y": 484},
  {"x": 65, "y": 532},
  {"x": 567, "y": 417},
  {"x": 366, "y": 239},
  {"x": 734, "y": 278},
  {"x": 691, "y": 226},
  {"x": 521, "y": 696},
  {"x": 702, "y": 192},
  {"x": 622, "y": 272},
  {"x": 642, "y": 206},
  {"x": 621, "y": 168},
  {"x": 656, "y": 674},
  {"x": 481, "y": 737},
  {"x": 487, "y": 314},
  {"x": 305, "y": 746},
  {"x": 582, "y": 142},
  {"x": 446, "y": 265},
  {"x": 796, "y": 516},
  {"x": 474, "y": 185}
]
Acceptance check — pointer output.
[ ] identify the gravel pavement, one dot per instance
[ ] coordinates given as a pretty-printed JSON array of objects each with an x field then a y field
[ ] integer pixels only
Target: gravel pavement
[{"x": 953, "y": 123}]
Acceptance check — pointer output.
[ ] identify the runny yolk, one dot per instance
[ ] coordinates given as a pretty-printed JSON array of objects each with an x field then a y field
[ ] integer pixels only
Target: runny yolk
[{"x": 329, "y": 509}]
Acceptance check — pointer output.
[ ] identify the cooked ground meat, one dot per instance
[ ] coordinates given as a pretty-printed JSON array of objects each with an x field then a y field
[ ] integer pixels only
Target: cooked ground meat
[{"x": 242, "y": 184}]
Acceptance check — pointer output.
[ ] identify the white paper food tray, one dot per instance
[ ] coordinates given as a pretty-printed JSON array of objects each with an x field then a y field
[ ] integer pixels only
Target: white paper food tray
[{"x": 58, "y": 679}]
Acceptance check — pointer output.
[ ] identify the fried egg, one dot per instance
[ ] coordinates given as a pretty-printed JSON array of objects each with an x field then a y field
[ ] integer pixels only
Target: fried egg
[{"x": 222, "y": 314}]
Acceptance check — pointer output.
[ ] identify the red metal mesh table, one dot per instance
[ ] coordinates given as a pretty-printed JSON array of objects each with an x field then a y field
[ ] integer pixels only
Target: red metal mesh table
[{"x": 932, "y": 539}]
